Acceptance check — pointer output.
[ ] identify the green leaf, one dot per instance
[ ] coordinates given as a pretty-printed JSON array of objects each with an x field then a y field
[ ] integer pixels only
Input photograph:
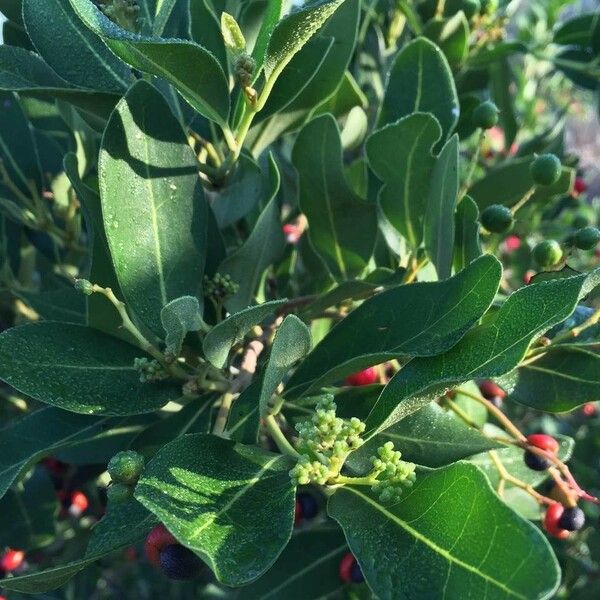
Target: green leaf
[
  {"x": 431, "y": 437},
  {"x": 77, "y": 55},
  {"x": 438, "y": 224},
  {"x": 308, "y": 569},
  {"x": 178, "y": 318},
  {"x": 489, "y": 350},
  {"x": 467, "y": 245},
  {"x": 194, "y": 72},
  {"x": 149, "y": 182},
  {"x": 291, "y": 344},
  {"x": 243, "y": 422},
  {"x": 221, "y": 338},
  {"x": 509, "y": 182},
  {"x": 24, "y": 71},
  {"x": 123, "y": 525},
  {"x": 342, "y": 227},
  {"x": 583, "y": 31},
  {"x": 451, "y": 35},
  {"x": 222, "y": 519},
  {"x": 78, "y": 369},
  {"x": 262, "y": 248},
  {"x": 569, "y": 376},
  {"x": 503, "y": 84},
  {"x": 401, "y": 156},
  {"x": 205, "y": 31},
  {"x": 27, "y": 515},
  {"x": 272, "y": 16},
  {"x": 433, "y": 318},
  {"x": 164, "y": 10},
  {"x": 28, "y": 439},
  {"x": 66, "y": 304},
  {"x": 420, "y": 80},
  {"x": 293, "y": 32},
  {"x": 232, "y": 34},
  {"x": 451, "y": 535}
]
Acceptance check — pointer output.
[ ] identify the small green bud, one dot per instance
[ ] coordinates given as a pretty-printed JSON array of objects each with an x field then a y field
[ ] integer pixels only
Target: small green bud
[
  {"x": 84, "y": 286},
  {"x": 118, "y": 493},
  {"x": 485, "y": 115},
  {"x": 587, "y": 238},
  {"x": 244, "y": 69},
  {"x": 547, "y": 253},
  {"x": 545, "y": 169},
  {"x": 497, "y": 218},
  {"x": 126, "y": 467}
]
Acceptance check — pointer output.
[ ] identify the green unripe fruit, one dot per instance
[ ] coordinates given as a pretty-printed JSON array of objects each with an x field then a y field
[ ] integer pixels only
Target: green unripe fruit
[
  {"x": 545, "y": 169},
  {"x": 84, "y": 286},
  {"x": 497, "y": 218},
  {"x": 580, "y": 221},
  {"x": 547, "y": 253},
  {"x": 485, "y": 115},
  {"x": 119, "y": 492},
  {"x": 587, "y": 238},
  {"x": 126, "y": 467}
]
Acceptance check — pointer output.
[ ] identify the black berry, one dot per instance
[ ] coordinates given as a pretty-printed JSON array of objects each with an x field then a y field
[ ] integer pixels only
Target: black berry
[
  {"x": 309, "y": 507},
  {"x": 536, "y": 462},
  {"x": 572, "y": 519},
  {"x": 356, "y": 574},
  {"x": 177, "y": 562}
]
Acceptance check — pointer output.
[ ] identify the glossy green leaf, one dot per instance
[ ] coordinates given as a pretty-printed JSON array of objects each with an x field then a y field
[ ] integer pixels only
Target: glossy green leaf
[
  {"x": 205, "y": 30},
  {"x": 78, "y": 369},
  {"x": 434, "y": 316},
  {"x": 222, "y": 519},
  {"x": 24, "y": 71},
  {"x": 151, "y": 192},
  {"x": 221, "y": 338},
  {"x": 509, "y": 182},
  {"x": 569, "y": 376},
  {"x": 489, "y": 350},
  {"x": 291, "y": 344},
  {"x": 401, "y": 156},
  {"x": 438, "y": 224},
  {"x": 293, "y": 32},
  {"x": 420, "y": 80},
  {"x": 448, "y": 536},
  {"x": 431, "y": 437},
  {"x": 191, "y": 69},
  {"x": 77, "y": 55},
  {"x": 263, "y": 247},
  {"x": 467, "y": 245},
  {"x": 308, "y": 569},
  {"x": 342, "y": 227},
  {"x": 123, "y": 525},
  {"x": 178, "y": 318}
]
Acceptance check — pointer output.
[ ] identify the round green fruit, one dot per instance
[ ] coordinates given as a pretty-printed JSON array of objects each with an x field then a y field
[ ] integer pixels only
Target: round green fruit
[
  {"x": 119, "y": 492},
  {"x": 126, "y": 467},
  {"x": 547, "y": 253},
  {"x": 485, "y": 115},
  {"x": 545, "y": 169},
  {"x": 497, "y": 218},
  {"x": 587, "y": 238}
]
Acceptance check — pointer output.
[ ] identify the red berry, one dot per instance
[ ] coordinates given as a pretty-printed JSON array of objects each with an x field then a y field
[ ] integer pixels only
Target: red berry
[
  {"x": 580, "y": 185},
  {"x": 490, "y": 390},
  {"x": 543, "y": 442},
  {"x": 12, "y": 560},
  {"x": 297, "y": 512},
  {"x": 589, "y": 409},
  {"x": 553, "y": 514},
  {"x": 292, "y": 233},
  {"x": 512, "y": 243},
  {"x": 157, "y": 539},
  {"x": 79, "y": 503},
  {"x": 345, "y": 568},
  {"x": 365, "y": 377},
  {"x": 528, "y": 276}
]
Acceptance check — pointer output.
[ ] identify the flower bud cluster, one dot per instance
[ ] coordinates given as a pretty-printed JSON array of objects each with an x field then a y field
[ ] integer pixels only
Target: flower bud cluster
[
  {"x": 391, "y": 474},
  {"x": 324, "y": 444},
  {"x": 124, "y": 13},
  {"x": 220, "y": 287},
  {"x": 244, "y": 69},
  {"x": 150, "y": 370}
]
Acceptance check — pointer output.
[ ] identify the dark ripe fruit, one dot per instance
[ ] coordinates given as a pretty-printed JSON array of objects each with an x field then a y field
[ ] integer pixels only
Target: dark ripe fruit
[
  {"x": 308, "y": 507},
  {"x": 545, "y": 169},
  {"x": 490, "y": 390},
  {"x": 535, "y": 462},
  {"x": 177, "y": 562},
  {"x": 156, "y": 540},
  {"x": 497, "y": 218},
  {"x": 551, "y": 521},
  {"x": 364, "y": 377},
  {"x": 126, "y": 467},
  {"x": 572, "y": 519},
  {"x": 349, "y": 569},
  {"x": 543, "y": 441},
  {"x": 485, "y": 115},
  {"x": 547, "y": 253},
  {"x": 587, "y": 238}
]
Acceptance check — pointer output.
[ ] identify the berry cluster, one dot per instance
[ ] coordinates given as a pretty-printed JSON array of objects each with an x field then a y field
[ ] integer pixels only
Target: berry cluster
[
  {"x": 174, "y": 560},
  {"x": 324, "y": 443},
  {"x": 124, "y": 13},
  {"x": 390, "y": 473},
  {"x": 560, "y": 521},
  {"x": 150, "y": 370},
  {"x": 543, "y": 442},
  {"x": 219, "y": 287},
  {"x": 124, "y": 468}
]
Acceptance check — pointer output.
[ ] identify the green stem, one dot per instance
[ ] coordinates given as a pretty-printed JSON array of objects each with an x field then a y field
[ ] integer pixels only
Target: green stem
[
  {"x": 523, "y": 200},
  {"x": 279, "y": 438}
]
